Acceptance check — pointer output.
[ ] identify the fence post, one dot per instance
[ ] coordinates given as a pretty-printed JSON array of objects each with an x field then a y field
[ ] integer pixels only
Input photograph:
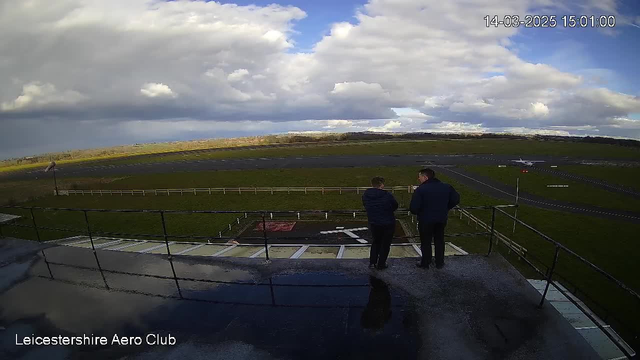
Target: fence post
[
  {"x": 326, "y": 216},
  {"x": 144, "y": 192},
  {"x": 341, "y": 191},
  {"x": 35, "y": 227},
  {"x": 156, "y": 192},
  {"x": 271, "y": 216},
  {"x": 219, "y": 234},
  {"x": 209, "y": 191},
  {"x": 245, "y": 215},
  {"x": 354, "y": 214},
  {"x": 305, "y": 190},
  {"x": 238, "y": 221},
  {"x": 271, "y": 191},
  {"x": 550, "y": 276},
  {"x": 266, "y": 240},
  {"x": 323, "y": 191},
  {"x": 224, "y": 191},
  {"x": 493, "y": 222},
  {"x": 239, "y": 191},
  {"x": 288, "y": 190},
  {"x": 255, "y": 191},
  {"x": 298, "y": 216},
  {"x": 194, "y": 192},
  {"x": 357, "y": 190}
]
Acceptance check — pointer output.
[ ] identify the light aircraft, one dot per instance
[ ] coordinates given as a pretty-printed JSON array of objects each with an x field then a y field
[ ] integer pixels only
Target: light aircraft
[{"x": 527, "y": 162}]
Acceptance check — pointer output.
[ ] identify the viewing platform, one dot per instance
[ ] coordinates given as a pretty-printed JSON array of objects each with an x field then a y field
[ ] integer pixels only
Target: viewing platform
[{"x": 476, "y": 307}]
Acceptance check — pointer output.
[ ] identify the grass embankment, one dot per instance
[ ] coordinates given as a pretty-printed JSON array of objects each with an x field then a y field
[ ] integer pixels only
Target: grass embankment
[
  {"x": 625, "y": 176},
  {"x": 385, "y": 147},
  {"x": 607, "y": 243},
  {"x": 578, "y": 192}
]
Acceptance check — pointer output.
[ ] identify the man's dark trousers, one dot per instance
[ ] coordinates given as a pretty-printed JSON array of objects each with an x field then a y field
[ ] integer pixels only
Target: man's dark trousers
[
  {"x": 382, "y": 236},
  {"x": 435, "y": 231}
]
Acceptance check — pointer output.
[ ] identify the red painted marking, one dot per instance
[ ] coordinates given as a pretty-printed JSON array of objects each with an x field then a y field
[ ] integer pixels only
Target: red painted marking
[{"x": 276, "y": 226}]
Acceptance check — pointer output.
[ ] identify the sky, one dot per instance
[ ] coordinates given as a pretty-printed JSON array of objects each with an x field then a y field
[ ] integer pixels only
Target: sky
[{"x": 91, "y": 73}]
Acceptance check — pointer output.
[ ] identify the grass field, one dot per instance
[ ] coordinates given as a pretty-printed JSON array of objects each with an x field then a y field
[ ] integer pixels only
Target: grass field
[
  {"x": 467, "y": 146},
  {"x": 625, "y": 176},
  {"x": 477, "y": 146},
  {"x": 607, "y": 243},
  {"x": 578, "y": 192}
]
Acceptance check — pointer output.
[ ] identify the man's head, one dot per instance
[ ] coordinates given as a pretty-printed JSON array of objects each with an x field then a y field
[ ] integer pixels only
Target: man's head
[
  {"x": 426, "y": 174},
  {"x": 377, "y": 182}
]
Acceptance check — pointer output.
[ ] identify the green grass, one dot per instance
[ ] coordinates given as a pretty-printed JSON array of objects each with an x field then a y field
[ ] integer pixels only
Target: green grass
[
  {"x": 130, "y": 154},
  {"x": 578, "y": 192},
  {"x": 607, "y": 243},
  {"x": 625, "y": 176},
  {"x": 475, "y": 146}
]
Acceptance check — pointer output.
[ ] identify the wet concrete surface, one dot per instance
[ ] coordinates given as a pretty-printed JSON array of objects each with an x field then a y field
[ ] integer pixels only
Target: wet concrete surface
[{"x": 474, "y": 308}]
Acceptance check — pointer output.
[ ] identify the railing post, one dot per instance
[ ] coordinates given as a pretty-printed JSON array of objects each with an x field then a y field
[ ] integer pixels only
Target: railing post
[
  {"x": 493, "y": 224},
  {"x": 266, "y": 240},
  {"x": 35, "y": 227},
  {"x": 550, "y": 276},
  {"x": 166, "y": 242}
]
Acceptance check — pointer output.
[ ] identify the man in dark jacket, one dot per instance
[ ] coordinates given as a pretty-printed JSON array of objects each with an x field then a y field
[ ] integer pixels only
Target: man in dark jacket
[
  {"x": 431, "y": 202},
  {"x": 380, "y": 206}
]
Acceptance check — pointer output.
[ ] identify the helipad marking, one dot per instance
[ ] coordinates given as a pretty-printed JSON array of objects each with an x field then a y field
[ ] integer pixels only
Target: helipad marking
[{"x": 417, "y": 249}]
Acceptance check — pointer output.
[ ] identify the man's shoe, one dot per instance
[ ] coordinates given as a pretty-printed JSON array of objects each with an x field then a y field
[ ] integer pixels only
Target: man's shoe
[
  {"x": 421, "y": 265},
  {"x": 372, "y": 266},
  {"x": 382, "y": 267},
  {"x": 439, "y": 266}
]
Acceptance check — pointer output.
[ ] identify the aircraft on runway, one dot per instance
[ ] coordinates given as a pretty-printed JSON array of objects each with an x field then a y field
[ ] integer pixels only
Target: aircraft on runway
[{"x": 527, "y": 162}]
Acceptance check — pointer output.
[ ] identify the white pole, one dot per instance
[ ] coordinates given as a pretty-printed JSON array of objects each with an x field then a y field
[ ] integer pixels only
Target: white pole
[{"x": 515, "y": 215}]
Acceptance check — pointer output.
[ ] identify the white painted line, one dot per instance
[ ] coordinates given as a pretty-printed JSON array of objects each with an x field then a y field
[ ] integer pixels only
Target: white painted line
[
  {"x": 78, "y": 242},
  {"x": 340, "y": 252},
  {"x": 362, "y": 241},
  {"x": 224, "y": 250},
  {"x": 458, "y": 249},
  {"x": 417, "y": 249},
  {"x": 592, "y": 327},
  {"x": 190, "y": 249},
  {"x": 108, "y": 244},
  {"x": 129, "y": 245},
  {"x": 260, "y": 252},
  {"x": 154, "y": 248},
  {"x": 352, "y": 235},
  {"x": 299, "y": 252}
]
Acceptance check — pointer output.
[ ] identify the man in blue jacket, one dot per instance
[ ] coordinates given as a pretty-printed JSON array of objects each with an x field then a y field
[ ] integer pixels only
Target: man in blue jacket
[
  {"x": 380, "y": 205},
  {"x": 431, "y": 202}
]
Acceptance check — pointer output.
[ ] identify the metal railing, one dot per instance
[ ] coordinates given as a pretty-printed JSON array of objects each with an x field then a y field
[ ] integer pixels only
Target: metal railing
[
  {"x": 551, "y": 271},
  {"x": 263, "y": 215}
]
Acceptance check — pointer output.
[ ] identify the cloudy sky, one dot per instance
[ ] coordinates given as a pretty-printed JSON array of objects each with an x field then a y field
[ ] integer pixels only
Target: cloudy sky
[{"x": 89, "y": 73}]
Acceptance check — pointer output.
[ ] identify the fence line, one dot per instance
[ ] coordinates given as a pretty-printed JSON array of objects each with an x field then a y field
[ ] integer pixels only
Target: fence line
[{"x": 235, "y": 190}]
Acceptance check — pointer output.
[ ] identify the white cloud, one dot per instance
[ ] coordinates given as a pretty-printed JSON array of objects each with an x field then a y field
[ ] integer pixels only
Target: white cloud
[
  {"x": 238, "y": 75},
  {"x": 156, "y": 90},
  {"x": 399, "y": 65},
  {"x": 37, "y": 95}
]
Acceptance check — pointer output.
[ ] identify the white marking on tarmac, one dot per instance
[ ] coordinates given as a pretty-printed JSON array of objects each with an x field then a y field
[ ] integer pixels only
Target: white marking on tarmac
[
  {"x": 299, "y": 252},
  {"x": 108, "y": 244},
  {"x": 154, "y": 248},
  {"x": 129, "y": 245},
  {"x": 224, "y": 250},
  {"x": 340, "y": 252},
  {"x": 190, "y": 249}
]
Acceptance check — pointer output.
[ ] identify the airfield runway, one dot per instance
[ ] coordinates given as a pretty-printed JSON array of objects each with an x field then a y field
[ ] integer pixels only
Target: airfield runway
[{"x": 446, "y": 164}]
